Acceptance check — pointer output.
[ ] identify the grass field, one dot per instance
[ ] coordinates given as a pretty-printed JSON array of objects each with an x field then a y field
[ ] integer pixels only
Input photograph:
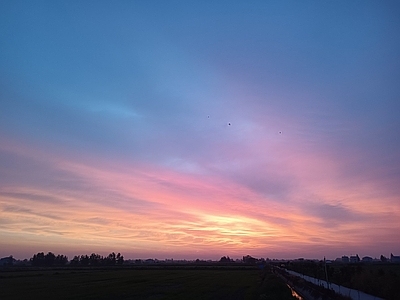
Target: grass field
[{"x": 89, "y": 283}]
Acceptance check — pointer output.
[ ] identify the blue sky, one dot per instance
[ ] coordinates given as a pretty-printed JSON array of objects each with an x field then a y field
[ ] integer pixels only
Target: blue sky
[{"x": 279, "y": 118}]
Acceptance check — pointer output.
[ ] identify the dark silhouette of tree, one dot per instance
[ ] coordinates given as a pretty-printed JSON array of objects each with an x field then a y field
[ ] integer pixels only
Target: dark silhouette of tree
[
  {"x": 84, "y": 260},
  {"x": 249, "y": 260},
  {"x": 38, "y": 259},
  {"x": 61, "y": 260},
  {"x": 49, "y": 259},
  {"x": 120, "y": 259},
  {"x": 95, "y": 259},
  {"x": 75, "y": 261},
  {"x": 225, "y": 259},
  {"x": 110, "y": 259},
  {"x": 113, "y": 259}
]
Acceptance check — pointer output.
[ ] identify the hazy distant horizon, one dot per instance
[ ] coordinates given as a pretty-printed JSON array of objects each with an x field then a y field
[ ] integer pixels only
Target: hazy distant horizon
[
  {"x": 128, "y": 256},
  {"x": 198, "y": 130}
]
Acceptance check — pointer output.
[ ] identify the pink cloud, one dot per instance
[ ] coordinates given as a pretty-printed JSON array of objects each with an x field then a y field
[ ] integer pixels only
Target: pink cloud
[{"x": 142, "y": 208}]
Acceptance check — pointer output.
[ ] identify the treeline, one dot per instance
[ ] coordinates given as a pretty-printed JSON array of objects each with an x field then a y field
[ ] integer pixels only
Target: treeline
[
  {"x": 97, "y": 260},
  {"x": 246, "y": 259},
  {"x": 50, "y": 259}
]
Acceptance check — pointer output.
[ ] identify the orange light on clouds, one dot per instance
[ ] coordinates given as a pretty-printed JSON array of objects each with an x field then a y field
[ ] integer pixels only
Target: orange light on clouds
[{"x": 144, "y": 210}]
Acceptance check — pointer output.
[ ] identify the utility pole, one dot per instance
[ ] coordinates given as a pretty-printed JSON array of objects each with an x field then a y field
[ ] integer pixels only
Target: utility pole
[{"x": 326, "y": 274}]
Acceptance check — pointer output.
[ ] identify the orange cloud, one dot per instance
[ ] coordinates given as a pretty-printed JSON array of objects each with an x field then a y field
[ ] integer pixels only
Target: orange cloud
[{"x": 141, "y": 208}]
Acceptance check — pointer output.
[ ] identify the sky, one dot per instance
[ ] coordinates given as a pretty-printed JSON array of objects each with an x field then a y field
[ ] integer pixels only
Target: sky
[{"x": 197, "y": 129}]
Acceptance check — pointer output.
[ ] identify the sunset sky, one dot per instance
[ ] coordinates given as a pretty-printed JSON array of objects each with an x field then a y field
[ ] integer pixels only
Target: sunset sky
[{"x": 197, "y": 129}]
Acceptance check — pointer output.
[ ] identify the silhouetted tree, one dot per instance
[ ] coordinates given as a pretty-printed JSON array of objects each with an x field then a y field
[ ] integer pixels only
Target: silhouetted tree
[
  {"x": 61, "y": 260},
  {"x": 225, "y": 259},
  {"x": 75, "y": 261},
  {"x": 49, "y": 259},
  {"x": 249, "y": 260},
  {"x": 120, "y": 259},
  {"x": 110, "y": 259},
  {"x": 84, "y": 260},
  {"x": 95, "y": 259},
  {"x": 38, "y": 259}
]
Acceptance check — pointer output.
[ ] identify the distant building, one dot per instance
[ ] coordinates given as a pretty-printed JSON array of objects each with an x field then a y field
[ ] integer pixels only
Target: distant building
[
  {"x": 354, "y": 259},
  {"x": 149, "y": 261},
  {"x": 7, "y": 261},
  {"x": 367, "y": 259},
  {"x": 345, "y": 259},
  {"x": 394, "y": 258}
]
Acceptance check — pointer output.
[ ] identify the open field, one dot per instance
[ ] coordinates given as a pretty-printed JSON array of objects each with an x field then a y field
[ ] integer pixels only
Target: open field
[{"x": 150, "y": 283}]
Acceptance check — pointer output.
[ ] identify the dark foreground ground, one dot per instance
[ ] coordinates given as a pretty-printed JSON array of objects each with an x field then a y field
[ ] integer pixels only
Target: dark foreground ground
[
  {"x": 150, "y": 283},
  {"x": 378, "y": 279}
]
